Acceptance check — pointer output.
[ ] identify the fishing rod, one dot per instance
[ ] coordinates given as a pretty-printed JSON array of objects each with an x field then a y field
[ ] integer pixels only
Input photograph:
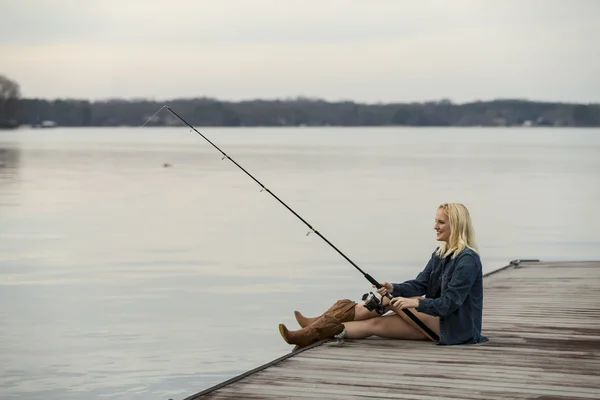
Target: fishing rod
[{"x": 371, "y": 301}]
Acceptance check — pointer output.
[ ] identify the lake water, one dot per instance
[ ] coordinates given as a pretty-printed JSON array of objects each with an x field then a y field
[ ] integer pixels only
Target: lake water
[{"x": 123, "y": 279}]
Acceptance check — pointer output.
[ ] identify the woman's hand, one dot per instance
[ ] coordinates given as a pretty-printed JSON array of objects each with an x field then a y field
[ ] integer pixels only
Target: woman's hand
[
  {"x": 402, "y": 302},
  {"x": 385, "y": 288}
]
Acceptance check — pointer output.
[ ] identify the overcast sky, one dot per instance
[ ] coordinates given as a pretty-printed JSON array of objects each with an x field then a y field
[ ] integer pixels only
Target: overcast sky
[{"x": 362, "y": 50}]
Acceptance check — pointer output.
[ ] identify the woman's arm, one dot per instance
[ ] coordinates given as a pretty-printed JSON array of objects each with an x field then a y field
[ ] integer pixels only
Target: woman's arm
[
  {"x": 463, "y": 277},
  {"x": 414, "y": 287}
]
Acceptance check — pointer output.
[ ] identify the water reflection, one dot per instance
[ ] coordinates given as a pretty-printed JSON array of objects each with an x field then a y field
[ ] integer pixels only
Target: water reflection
[{"x": 10, "y": 158}]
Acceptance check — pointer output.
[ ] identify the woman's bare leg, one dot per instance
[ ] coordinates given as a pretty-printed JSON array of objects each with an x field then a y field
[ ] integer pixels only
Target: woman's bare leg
[
  {"x": 432, "y": 322},
  {"x": 389, "y": 326}
]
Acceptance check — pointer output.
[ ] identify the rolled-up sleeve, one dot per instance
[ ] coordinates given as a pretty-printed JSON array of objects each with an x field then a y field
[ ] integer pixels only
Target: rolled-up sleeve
[
  {"x": 414, "y": 287},
  {"x": 463, "y": 277}
]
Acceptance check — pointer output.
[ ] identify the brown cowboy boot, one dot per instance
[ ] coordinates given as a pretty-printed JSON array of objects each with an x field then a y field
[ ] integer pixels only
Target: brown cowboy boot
[
  {"x": 341, "y": 309},
  {"x": 324, "y": 327}
]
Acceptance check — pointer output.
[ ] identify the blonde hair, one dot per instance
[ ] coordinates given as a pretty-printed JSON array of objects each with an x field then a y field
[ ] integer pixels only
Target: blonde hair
[{"x": 462, "y": 233}]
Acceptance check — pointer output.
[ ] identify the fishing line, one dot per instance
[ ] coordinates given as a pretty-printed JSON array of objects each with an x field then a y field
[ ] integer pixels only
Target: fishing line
[{"x": 370, "y": 298}]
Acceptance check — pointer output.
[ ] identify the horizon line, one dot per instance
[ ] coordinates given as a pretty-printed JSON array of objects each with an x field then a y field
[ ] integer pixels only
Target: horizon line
[{"x": 298, "y": 98}]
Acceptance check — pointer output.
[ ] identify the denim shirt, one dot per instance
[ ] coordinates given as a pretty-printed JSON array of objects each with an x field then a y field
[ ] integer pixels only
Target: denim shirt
[{"x": 457, "y": 299}]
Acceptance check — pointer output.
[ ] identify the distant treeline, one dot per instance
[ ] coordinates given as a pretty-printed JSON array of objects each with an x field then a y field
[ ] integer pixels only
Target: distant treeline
[{"x": 307, "y": 112}]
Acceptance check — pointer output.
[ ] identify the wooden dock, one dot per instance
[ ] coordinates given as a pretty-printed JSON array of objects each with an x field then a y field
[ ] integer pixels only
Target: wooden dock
[{"x": 543, "y": 322}]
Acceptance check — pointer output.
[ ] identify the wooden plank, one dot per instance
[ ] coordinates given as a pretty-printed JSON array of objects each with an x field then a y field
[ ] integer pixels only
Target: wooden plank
[
  {"x": 543, "y": 321},
  {"x": 589, "y": 383},
  {"x": 392, "y": 382}
]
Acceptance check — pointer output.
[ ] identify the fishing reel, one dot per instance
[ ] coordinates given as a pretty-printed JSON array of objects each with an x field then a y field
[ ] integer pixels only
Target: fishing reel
[{"x": 372, "y": 303}]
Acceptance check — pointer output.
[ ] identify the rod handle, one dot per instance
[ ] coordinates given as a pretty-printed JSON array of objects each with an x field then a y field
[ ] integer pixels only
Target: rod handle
[
  {"x": 373, "y": 281},
  {"x": 377, "y": 285}
]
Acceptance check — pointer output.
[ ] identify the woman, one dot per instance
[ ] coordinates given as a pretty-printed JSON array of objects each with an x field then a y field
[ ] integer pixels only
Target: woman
[{"x": 452, "y": 308}]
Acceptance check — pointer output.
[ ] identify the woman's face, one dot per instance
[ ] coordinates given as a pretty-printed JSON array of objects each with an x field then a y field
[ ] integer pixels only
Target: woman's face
[{"x": 442, "y": 226}]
